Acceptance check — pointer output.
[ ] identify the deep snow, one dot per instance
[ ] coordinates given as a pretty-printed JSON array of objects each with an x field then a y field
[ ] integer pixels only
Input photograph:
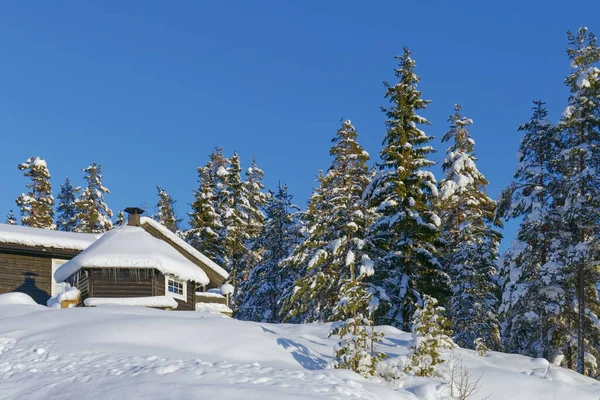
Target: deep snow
[{"x": 117, "y": 352}]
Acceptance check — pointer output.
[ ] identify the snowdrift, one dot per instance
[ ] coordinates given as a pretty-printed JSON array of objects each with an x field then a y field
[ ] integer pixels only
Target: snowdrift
[
  {"x": 16, "y": 298},
  {"x": 116, "y": 352}
]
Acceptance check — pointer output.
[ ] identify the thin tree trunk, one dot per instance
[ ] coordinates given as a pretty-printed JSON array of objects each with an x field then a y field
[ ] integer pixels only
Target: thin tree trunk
[{"x": 581, "y": 289}]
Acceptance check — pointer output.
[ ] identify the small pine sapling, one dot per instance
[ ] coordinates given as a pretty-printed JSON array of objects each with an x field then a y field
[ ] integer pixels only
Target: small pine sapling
[
  {"x": 431, "y": 327},
  {"x": 480, "y": 347},
  {"x": 356, "y": 347}
]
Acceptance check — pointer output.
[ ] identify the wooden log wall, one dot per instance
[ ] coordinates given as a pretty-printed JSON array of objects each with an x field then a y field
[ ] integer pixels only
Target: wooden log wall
[
  {"x": 120, "y": 282},
  {"x": 26, "y": 274}
]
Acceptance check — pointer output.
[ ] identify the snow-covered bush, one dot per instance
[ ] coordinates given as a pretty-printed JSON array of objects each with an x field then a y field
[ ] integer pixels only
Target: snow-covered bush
[{"x": 393, "y": 368}]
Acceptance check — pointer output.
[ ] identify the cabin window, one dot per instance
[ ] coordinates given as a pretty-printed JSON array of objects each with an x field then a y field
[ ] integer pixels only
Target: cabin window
[
  {"x": 58, "y": 288},
  {"x": 175, "y": 288}
]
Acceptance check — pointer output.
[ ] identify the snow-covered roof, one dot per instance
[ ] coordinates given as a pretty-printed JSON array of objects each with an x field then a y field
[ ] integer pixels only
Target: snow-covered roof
[
  {"x": 185, "y": 246},
  {"x": 37, "y": 237},
  {"x": 133, "y": 247}
]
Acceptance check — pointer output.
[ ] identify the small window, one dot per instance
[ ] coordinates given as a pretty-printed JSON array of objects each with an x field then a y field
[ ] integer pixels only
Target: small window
[{"x": 175, "y": 288}]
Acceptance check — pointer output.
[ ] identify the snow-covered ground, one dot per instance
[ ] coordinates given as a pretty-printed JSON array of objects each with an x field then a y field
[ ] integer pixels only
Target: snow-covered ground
[{"x": 117, "y": 352}]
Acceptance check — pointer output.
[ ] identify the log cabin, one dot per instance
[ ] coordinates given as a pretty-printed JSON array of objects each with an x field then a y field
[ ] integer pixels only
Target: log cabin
[
  {"x": 30, "y": 256},
  {"x": 140, "y": 263}
]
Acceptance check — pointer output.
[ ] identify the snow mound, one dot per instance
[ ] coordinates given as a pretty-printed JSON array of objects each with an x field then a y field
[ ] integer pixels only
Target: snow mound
[
  {"x": 16, "y": 298},
  {"x": 141, "y": 353},
  {"x": 213, "y": 308},
  {"x": 71, "y": 294}
]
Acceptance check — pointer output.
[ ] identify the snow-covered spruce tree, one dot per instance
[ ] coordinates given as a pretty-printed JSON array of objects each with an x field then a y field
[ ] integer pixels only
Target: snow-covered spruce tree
[
  {"x": 92, "y": 214},
  {"x": 407, "y": 228},
  {"x": 257, "y": 198},
  {"x": 205, "y": 222},
  {"x": 580, "y": 188},
  {"x": 471, "y": 241},
  {"x": 36, "y": 205},
  {"x": 336, "y": 235},
  {"x": 257, "y": 201},
  {"x": 533, "y": 295},
  {"x": 66, "y": 206},
  {"x": 300, "y": 260},
  {"x": 432, "y": 330},
  {"x": 355, "y": 349},
  {"x": 219, "y": 170},
  {"x": 10, "y": 218},
  {"x": 269, "y": 279},
  {"x": 165, "y": 210},
  {"x": 235, "y": 218}
]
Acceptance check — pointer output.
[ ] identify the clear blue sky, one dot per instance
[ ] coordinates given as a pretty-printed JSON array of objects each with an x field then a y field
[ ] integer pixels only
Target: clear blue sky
[{"x": 148, "y": 88}]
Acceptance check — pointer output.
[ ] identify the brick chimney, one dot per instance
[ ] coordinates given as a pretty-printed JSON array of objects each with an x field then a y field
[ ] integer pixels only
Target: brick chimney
[{"x": 134, "y": 215}]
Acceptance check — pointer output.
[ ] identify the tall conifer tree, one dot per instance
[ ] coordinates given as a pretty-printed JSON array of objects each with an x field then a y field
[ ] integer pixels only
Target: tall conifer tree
[
  {"x": 471, "y": 240},
  {"x": 336, "y": 241},
  {"x": 36, "y": 205},
  {"x": 92, "y": 214},
  {"x": 235, "y": 218},
  {"x": 205, "y": 223},
  {"x": 533, "y": 298},
  {"x": 165, "y": 210},
  {"x": 269, "y": 279},
  {"x": 305, "y": 253},
  {"x": 402, "y": 193},
  {"x": 257, "y": 198},
  {"x": 580, "y": 189},
  {"x": 257, "y": 202},
  {"x": 66, "y": 206}
]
